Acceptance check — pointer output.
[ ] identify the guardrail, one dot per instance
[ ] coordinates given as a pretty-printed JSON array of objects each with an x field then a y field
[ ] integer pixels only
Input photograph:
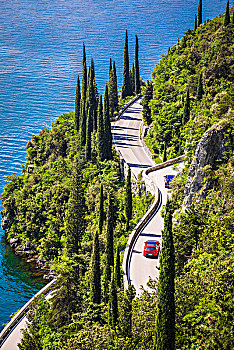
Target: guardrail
[
  {"x": 22, "y": 312},
  {"x": 123, "y": 109}
]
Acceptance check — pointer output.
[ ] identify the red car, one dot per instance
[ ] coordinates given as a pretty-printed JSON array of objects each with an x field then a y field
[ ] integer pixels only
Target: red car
[{"x": 151, "y": 248}]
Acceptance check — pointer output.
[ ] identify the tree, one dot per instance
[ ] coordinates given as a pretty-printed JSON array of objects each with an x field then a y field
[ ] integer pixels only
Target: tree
[
  {"x": 199, "y": 13},
  {"x": 109, "y": 239},
  {"x": 83, "y": 101},
  {"x": 132, "y": 79},
  {"x": 107, "y": 126},
  {"x": 126, "y": 312},
  {"x": 115, "y": 87},
  {"x": 147, "y": 97},
  {"x": 91, "y": 102},
  {"x": 100, "y": 131},
  {"x": 200, "y": 90},
  {"x": 137, "y": 73},
  {"x": 84, "y": 76},
  {"x": 112, "y": 88},
  {"x": 113, "y": 304},
  {"x": 77, "y": 104},
  {"x": 75, "y": 217},
  {"x": 227, "y": 15},
  {"x": 101, "y": 211},
  {"x": 83, "y": 124},
  {"x": 95, "y": 278},
  {"x": 165, "y": 152},
  {"x": 195, "y": 23},
  {"x": 110, "y": 69},
  {"x": 88, "y": 135},
  {"x": 165, "y": 313},
  {"x": 186, "y": 111},
  {"x": 126, "y": 89},
  {"x": 128, "y": 199},
  {"x": 117, "y": 273}
]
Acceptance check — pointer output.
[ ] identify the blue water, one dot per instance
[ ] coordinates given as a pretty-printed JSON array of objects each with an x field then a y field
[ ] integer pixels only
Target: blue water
[{"x": 40, "y": 57}]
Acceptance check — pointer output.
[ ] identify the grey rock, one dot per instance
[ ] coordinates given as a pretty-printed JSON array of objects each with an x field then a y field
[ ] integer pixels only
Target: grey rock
[{"x": 209, "y": 153}]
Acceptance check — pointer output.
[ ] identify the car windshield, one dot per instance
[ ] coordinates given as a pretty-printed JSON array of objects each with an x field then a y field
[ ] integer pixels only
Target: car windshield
[{"x": 150, "y": 248}]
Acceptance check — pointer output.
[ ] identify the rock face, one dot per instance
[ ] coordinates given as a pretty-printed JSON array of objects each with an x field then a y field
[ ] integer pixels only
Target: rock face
[
  {"x": 5, "y": 223},
  {"x": 209, "y": 153}
]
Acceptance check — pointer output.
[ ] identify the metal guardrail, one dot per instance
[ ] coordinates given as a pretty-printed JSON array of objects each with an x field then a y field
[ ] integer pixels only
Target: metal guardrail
[{"x": 21, "y": 313}]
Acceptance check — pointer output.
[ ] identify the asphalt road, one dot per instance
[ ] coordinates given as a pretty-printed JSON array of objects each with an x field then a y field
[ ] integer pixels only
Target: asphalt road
[{"x": 126, "y": 137}]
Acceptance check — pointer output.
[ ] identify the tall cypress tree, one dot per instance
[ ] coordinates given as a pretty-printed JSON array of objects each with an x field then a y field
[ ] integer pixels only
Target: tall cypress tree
[
  {"x": 91, "y": 102},
  {"x": 186, "y": 112},
  {"x": 113, "y": 304},
  {"x": 125, "y": 316},
  {"x": 147, "y": 97},
  {"x": 115, "y": 93},
  {"x": 101, "y": 211},
  {"x": 88, "y": 135},
  {"x": 107, "y": 126},
  {"x": 83, "y": 125},
  {"x": 227, "y": 15},
  {"x": 126, "y": 90},
  {"x": 117, "y": 272},
  {"x": 111, "y": 89},
  {"x": 109, "y": 239},
  {"x": 165, "y": 314},
  {"x": 84, "y": 76},
  {"x": 128, "y": 199},
  {"x": 200, "y": 90},
  {"x": 100, "y": 131},
  {"x": 77, "y": 104},
  {"x": 132, "y": 79},
  {"x": 83, "y": 101},
  {"x": 95, "y": 278},
  {"x": 110, "y": 69},
  {"x": 137, "y": 72},
  {"x": 195, "y": 23},
  {"x": 199, "y": 13},
  {"x": 76, "y": 212}
]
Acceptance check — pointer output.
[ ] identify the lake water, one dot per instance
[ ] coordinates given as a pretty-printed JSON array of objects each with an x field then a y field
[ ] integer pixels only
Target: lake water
[{"x": 40, "y": 57}]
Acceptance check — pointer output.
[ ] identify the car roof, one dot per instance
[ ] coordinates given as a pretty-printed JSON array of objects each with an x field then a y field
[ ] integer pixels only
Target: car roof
[{"x": 151, "y": 242}]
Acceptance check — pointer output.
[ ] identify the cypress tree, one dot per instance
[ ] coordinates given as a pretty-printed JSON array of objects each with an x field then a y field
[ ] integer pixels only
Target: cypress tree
[
  {"x": 227, "y": 15},
  {"x": 200, "y": 90},
  {"x": 126, "y": 89},
  {"x": 101, "y": 211},
  {"x": 88, "y": 135},
  {"x": 199, "y": 13},
  {"x": 84, "y": 76},
  {"x": 109, "y": 240},
  {"x": 110, "y": 70},
  {"x": 132, "y": 79},
  {"x": 233, "y": 18},
  {"x": 128, "y": 199},
  {"x": 195, "y": 23},
  {"x": 91, "y": 102},
  {"x": 111, "y": 89},
  {"x": 113, "y": 304},
  {"x": 125, "y": 321},
  {"x": 77, "y": 104},
  {"x": 165, "y": 152},
  {"x": 147, "y": 97},
  {"x": 100, "y": 131},
  {"x": 137, "y": 73},
  {"x": 186, "y": 112},
  {"x": 165, "y": 313},
  {"x": 83, "y": 125},
  {"x": 95, "y": 278},
  {"x": 117, "y": 273},
  {"x": 75, "y": 227},
  {"x": 115, "y": 93},
  {"x": 107, "y": 126}
]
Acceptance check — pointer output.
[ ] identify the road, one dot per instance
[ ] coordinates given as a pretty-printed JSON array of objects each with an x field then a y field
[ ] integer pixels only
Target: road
[{"x": 127, "y": 140}]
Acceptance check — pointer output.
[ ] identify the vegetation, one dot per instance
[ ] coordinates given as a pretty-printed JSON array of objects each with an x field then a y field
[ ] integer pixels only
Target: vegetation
[{"x": 78, "y": 212}]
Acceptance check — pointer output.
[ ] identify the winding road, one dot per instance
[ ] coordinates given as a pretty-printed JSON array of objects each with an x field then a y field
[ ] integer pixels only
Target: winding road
[{"x": 126, "y": 136}]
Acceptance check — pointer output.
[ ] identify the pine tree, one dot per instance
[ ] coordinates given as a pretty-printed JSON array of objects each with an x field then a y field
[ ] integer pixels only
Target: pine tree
[
  {"x": 100, "y": 131},
  {"x": 147, "y": 97},
  {"x": 126, "y": 90},
  {"x": 200, "y": 90},
  {"x": 117, "y": 272},
  {"x": 137, "y": 73},
  {"x": 88, "y": 135},
  {"x": 77, "y": 104},
  {"x": 199, "y": 13},
  {"x": 186, "y": 112},
  {"x": 95, "y": 278},
  {"x": 195, "y": 23},
  {"x": 75, "y": 227},
  {"x": 227, "y": 15},
  {"x": 101, "y": 211},
  {"x": 165, "y": 314},
  {"x": 125, "y": 321},
  {"x": 107, "y": 126},
  {"x": 128, "y": 199},
  {"x": 113, "y": 304}
]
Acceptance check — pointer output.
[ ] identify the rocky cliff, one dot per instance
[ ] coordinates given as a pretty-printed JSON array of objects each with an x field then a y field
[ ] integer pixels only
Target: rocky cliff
[{"x": 210, "y": 152}]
